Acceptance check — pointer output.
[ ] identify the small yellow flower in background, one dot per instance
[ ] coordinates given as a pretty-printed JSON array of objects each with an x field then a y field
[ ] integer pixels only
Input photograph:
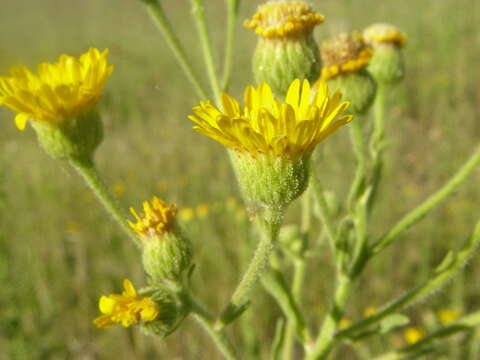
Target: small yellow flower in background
[
  {"x": 127, "y": 308},
  {"x": 377, "y": 34},
  {"x": 231, "y": 203},
  {"x": 448, "y": 316},
  {"x": 186, "y": 214},
  {"x": 158, "y": 218},
  {"x": 72, "y": 227},
  {"x": 202, "y": 210},
  {"x": 267, "y": 126},
  {"x": 344, "y": 323},
  {"x": 276, "y": 19},
  {"x": 413, "y": 334},
  {"x": 118, "y": 188},
  {"x": 369, "y": 311},
  {"x": 60, "y": 91},
  {"x": 344, "y": 53}
]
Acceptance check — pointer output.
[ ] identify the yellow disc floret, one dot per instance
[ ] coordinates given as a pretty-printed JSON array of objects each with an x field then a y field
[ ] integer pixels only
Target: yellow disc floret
[
  {"x": 268, "y": 126},
  {"x": 59, "y": 91},
  {"x": 279, "y": 19},
  {"x": 344, "y": 53},
  {"x": 384, "y": 34},
  {"x": 158, "y": 218},
  {"x": 127, "y": 308}
]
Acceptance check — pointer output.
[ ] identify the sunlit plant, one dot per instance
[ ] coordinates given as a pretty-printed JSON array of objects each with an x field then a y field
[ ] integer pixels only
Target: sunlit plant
[{"x": 302, "y": 96}]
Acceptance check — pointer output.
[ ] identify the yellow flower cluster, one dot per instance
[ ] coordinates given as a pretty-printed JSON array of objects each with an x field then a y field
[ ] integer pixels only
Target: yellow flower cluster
[
  {"x": 276, "y": 19},
  {"x": 267, "y": 126},
  {"x": 344, "y": 53},
  {"x": 59, "y": 91},
  {"x": 127, "y": 308},
  {"x": 158, "y": 218}
]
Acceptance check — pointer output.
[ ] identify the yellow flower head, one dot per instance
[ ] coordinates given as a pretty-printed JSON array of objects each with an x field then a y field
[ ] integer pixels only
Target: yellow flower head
[
  {"x": 127, "y": 308},
  {"x": 59, "y": 91},
  {"x": 413, "y": 334},
  {"x": 157, "y": 219},
  {"x": 448, "y": 316},
  {"x": 384, "y": 34},
  {"x": 280, "y": 19},
  {"x": 344, "y": 53},
  {"x": 268, "y": 126}
]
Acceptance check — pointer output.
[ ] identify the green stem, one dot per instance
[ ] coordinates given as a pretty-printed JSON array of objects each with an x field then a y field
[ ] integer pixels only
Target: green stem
[
  {"x": 377, "y": 143},
  {"x": 323, "y": 210},
  {"x": 358, "y": 184},
  {"x": 232, "y": 16},
  {"x": 208, "y": 323},
  {"x": 258, "y": 264},
  {"x": 269, "y": 233},
  {"x": 157, "y": 13},
  {"x": 298, "y": 277},
  {"x": 326, "y": 338},
  {"x": 467, "y": 323},
  {"x": 420, "y": 211},
  {"x": 198, "y": 11},
  {"x": 91, "y": 176},
  {"x": 443, "y": 274}
]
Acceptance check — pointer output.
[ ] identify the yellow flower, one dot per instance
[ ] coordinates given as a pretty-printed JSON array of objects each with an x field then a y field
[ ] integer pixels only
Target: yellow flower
[
  {"x": 186, "y": 214},
  {"x": 276, "y": 19},
  {"x": 344, "y": 323},
  {"x": 157, "y": 219},
  {"x": 60, "y": 91},
  {"x": 343, "y": 54},
  {"x": 267, "y": 126},
  {"x": 369, "y": 311},
  {"x": 413, "y": 334},
  {"x": 448, "y": 316},
  {"x": 118, "y": 189},
  {"x": 384, "y": 34},
  {"x": 127, "y": 308},
  {"x": 202, "y": 210}
]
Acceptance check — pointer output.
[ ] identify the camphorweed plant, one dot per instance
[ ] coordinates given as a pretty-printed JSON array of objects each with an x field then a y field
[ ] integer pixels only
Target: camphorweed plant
[{"x": 304, "y": 93}]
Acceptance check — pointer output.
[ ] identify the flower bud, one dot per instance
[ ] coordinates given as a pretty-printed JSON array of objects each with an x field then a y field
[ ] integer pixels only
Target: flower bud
[
  {"x": 286, "y": 49},
  {"x": 270, "y": 182},
  {"x": 167, "y": 254},
  {"x": 76, "y": 139},
  {"x": 345, "y": 58},
  {"x": 387, "y": 65}
]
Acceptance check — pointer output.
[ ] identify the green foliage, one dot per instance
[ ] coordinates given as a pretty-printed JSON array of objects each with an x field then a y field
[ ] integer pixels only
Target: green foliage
[{"x": 59, "y": 251}]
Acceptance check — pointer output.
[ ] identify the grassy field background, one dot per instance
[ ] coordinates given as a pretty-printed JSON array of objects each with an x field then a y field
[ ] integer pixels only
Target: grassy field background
[{"x": 59, "y": 251}]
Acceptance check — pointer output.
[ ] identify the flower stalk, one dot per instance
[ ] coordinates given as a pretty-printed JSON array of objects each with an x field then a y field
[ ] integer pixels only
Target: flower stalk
[
  {"x": 421, "y": 210},
  {"x": 87, "y": 170},
  {"x": 159, "y": 17},
  {"x": 198, "y": 12}
]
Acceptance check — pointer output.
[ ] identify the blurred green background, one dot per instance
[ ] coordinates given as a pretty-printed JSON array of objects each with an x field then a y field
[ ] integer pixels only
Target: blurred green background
[{"x": 59, "y": 251}]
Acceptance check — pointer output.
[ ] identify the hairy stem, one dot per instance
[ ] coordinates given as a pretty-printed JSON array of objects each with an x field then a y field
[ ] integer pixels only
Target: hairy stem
[
  {"x": 90, "y": 175},
  {"x": 208, "y": 324},
  {"x": 420, "y": 211}
]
